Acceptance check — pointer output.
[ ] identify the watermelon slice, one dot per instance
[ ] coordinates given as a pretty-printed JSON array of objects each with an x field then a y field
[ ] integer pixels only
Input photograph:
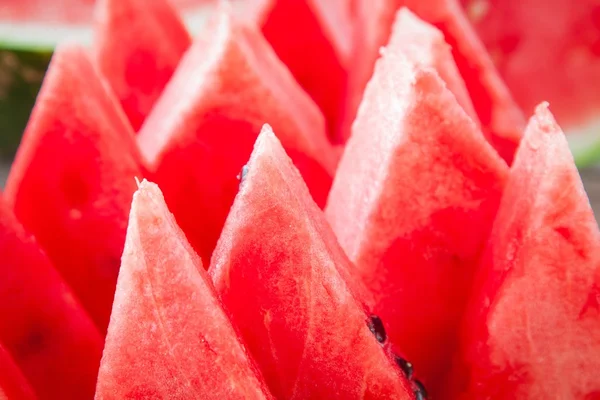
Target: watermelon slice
[
  {"x": 73, "y": 177},
  {"x": 500, "y": 117},
  {"x": 533, "y": 330},
  {"x": 13, "y": 385},
  {"x": 283, "y": 278},
  {"x": 50, "y": 337},
  {"x": 137, "y": 47},
  {"x": 314, "y": 39},
  {"x": 424, "y": 44},
  {"x": 412, "y": 204},
  {"x": 201, "y": 131},
  {"x": 517, "y": 34},
  {"x": 548, "y": 53},
  {"x": 168, "y": 337}
]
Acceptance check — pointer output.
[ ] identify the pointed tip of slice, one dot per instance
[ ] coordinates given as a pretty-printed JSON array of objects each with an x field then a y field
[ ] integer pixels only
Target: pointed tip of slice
[
  {"x": 148, "y": 202},
  {"x": 149, "y": 206},
  {"x": 266, "y": 138},
  {"x": 146, "y": 186},
  {"x": 406, "y": 17},
  {"x": 542, "y": 128},
  {"x": 267, "y": 143},
  {"x": 544, "y": 119}
]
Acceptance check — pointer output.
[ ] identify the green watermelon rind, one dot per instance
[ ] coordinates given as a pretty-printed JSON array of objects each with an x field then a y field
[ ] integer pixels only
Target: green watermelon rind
[{"x": 21, "y": 75}]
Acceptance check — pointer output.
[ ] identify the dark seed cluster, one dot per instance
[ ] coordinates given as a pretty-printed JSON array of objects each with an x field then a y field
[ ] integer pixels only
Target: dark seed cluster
[{"x": 376, "y": 327}]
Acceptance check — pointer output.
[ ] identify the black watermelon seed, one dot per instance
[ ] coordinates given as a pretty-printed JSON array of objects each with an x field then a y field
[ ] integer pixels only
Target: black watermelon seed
[
  {"x": 376, "y": 327},
  {"x": 405, "y": 366},
  {"x": 420, "y": 392}
]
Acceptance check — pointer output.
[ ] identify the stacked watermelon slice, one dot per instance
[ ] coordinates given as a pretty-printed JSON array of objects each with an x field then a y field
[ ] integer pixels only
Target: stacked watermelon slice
[{"x": 279, "y": 209}]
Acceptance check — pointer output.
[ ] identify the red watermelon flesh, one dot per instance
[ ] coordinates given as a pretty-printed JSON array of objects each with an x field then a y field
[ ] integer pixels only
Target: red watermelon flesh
[
  {"x": 314, "y": 39},
  {"x": 533, "y": 328},
  {"x": 283, "y": 279},
  {"x": 13, "y": 385},
  {"x": 424, "y": 44},
  {"x": 73, "y": 177},
  {"x": 545, "y": 52},
  {"x": 168, "y": 337},
  {"x": 43, "y": 326},
  {"x": 501, "y": 118},
  {"x": 412, "y": 204},
  {"x": 137, "y": 47},
  {"x": 202, "y": 130}
]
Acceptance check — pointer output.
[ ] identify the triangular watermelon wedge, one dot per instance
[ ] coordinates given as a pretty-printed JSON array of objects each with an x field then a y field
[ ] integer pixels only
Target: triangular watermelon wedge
[
  {"x": 424, "y": 44},
  {"x": 281, "y": 274},
  {"x": 412, "y": 204},
  {"x": 533, "y": 331},
  {"x": 501, "y": 119},
  {"x": 168, "y": 337},
  {"x": 137, "y": 46},
  {"x": 42, "y": 325},
  {"x": 72, "y": 179},
  {"x": 13, "y": 385},
  {"x": 201, "y": 131}
]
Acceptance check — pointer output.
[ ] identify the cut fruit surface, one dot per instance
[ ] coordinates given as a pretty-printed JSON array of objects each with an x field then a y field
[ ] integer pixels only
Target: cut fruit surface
[
  {"x": 43, "y": 326},
  {"x": 545, "y": 53},
  {"x": 412, "y": 204},
  {"x": 287, "y": 285},
  {"x": 548, "y": 54},
  {"x": 201, "y": 131},
  {"x": 533, "y": 328},
  {"x": 314, "y": 39},
  {"x": 137, "y": 47},
  {"x": 73, "y": 177},
  {"x": 13, "y": 385},
  {"x": 423, "y": 44},
  {"x": 501, "y": 118},
  {"x": 168, "y": 337}
]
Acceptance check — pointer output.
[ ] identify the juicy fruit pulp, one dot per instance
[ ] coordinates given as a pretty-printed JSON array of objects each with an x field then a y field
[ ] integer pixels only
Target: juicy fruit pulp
[
  {"x": 44, "y": 328},
  {"x": 313, "y": 38},
  {"x": 533, "y": 329},
  {"x": 202, "y": 129},
  {"x": 412, "y": 204},
  {"x": 168, "y": 337},
  {"x": 283, "y": 278},
  {"x": 73, "y": 178},
  {"x": 554, "y": 50},
  {"x": 137, "y": 47}
]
